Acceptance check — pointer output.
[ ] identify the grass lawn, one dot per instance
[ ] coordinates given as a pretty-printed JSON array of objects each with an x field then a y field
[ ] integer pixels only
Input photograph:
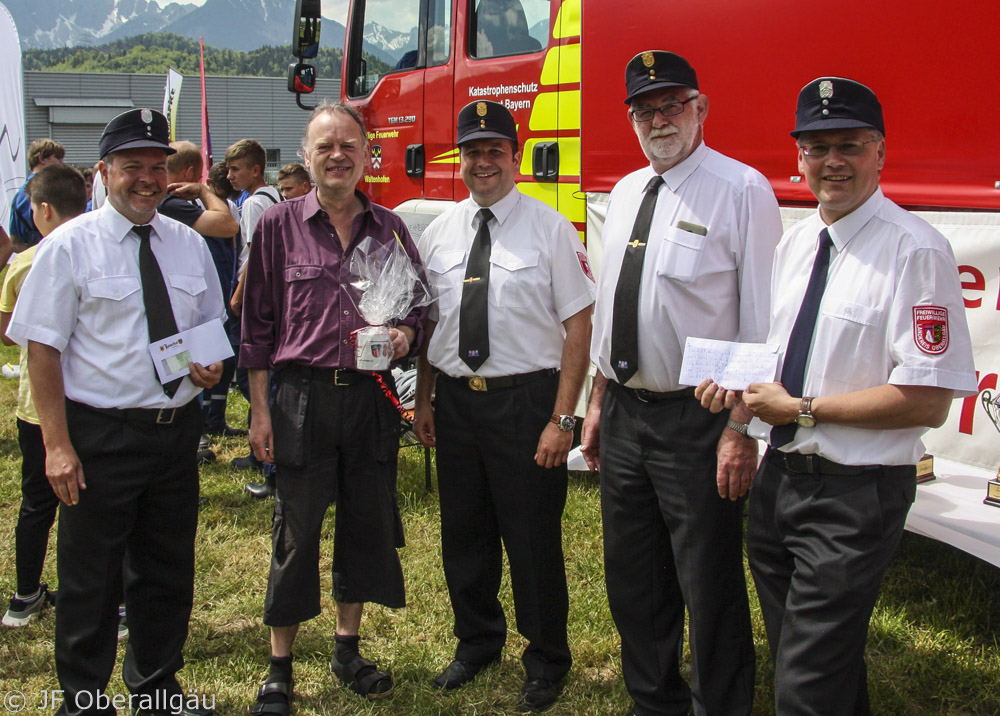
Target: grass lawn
[{"x": 932, "y": 647}]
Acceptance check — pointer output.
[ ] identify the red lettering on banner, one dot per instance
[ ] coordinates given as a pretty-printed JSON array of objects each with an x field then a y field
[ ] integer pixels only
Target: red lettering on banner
[
  {"x": 989, "y": 382},
  {"x": 978, "y": 283}
]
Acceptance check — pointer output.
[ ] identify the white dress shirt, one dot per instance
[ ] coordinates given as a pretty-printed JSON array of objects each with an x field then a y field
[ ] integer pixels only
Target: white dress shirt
[
  {"x": 886, "y": 267},
  {"x": 539, "y": 277},
  {"x": 83, "y": 297},
  {"x": 253, "y": 208},
  {"x": 712, "y": 286}
]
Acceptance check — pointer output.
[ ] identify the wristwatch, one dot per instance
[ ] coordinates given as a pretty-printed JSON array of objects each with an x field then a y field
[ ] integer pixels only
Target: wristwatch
[
  {"x": 805, "y": 418},
  {"x": 741, "y": 428},
  {"x": 566, "y": 423}
]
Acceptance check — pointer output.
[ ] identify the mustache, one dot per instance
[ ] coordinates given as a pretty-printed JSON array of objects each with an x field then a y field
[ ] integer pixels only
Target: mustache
[{"x": 662, "y": 132}]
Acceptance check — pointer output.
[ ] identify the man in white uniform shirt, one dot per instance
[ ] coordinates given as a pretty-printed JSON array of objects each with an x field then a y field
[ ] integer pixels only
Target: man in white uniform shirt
[
  {"x": 507, "y": 339},
  {"x": 872, "y": 324},
  {"x": 120, "y": 446},
  {"x": 688, "y": 242}
]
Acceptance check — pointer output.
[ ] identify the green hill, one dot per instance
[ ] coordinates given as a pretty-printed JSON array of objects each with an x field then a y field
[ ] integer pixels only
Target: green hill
[{"x": 154, "y": 53}]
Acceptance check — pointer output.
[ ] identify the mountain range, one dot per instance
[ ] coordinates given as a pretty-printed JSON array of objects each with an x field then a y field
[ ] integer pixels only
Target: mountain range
[{"x": 235, "y": 24}]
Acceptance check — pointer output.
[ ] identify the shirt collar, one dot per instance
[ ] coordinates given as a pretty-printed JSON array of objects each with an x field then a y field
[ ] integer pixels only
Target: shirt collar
[
  {"x": 119, "y": 227},
  {"x": 675, "y": 175},
  {"x": 845, "y": 229},
  {"x": 311, "y": 206},
  {"x": 501, "y": 208}
]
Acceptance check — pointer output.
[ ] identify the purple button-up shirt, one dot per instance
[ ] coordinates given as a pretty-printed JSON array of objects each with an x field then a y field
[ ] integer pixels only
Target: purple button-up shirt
[{"x": 296, "y": 308}]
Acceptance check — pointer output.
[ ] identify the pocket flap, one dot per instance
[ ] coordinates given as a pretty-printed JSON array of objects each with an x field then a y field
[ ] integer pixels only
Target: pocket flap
[
  {"x": 514, "y": 260},
  {"x": 113, "y": 287},
  {"x": 445, "y": 261},
  {"x": 854, "y": 312},
  {"x": 302, "y": 273},
  {"x": 188, "y": 283},
  {"x": 685, "y": 238}
]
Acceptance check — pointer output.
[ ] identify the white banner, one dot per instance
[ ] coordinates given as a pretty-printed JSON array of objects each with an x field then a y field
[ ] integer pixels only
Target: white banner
[
  {"x": 13, "y": 148},
  {"x": 171, "y": 96}
]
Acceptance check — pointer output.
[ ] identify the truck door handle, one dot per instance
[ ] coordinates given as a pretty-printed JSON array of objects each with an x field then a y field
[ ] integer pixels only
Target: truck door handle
[
  {"x": 545, "y": 162},
  {"x": 415, "y": 160}
]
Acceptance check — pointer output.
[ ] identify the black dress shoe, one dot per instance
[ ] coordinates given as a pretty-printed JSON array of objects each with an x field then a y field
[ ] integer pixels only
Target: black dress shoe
[
  {"x": 261, "y": 490},
  {"x": 538, "y": 694},
  {"x": 458, "y": 673},
  {"x": 247, "y": 463}
]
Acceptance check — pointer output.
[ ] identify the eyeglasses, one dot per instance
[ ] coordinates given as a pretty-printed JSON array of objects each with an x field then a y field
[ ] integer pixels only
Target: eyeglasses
[
  {"x": 671, "y": 109},
  {"x": 848, "y": 149}
]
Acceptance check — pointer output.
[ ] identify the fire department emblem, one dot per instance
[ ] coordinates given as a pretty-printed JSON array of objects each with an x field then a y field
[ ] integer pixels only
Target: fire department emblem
[
  {"x": 481, "y": 109},
  {"x": 585, "y": 265},
  {"x": 930, "y": 329},
  {"x": 648, "y": 59},
  {"x": 826, "y": 89},
  {"x": 146, "y": 116},
  {"x": 376, "y": 156}
]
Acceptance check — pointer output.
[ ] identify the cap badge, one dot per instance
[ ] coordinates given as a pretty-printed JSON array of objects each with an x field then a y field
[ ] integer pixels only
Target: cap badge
[
  {"x": 826, "y": 89},
  {"x": 146, "y": 116},
  {"x": 648, "y": 59},
  {"x": 481, "y": 109},
  {"x": 482, "y": 124}
]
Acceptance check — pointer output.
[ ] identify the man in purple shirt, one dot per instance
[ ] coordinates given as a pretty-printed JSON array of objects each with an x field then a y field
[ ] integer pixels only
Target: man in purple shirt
[{"x": 332, "y": 432}]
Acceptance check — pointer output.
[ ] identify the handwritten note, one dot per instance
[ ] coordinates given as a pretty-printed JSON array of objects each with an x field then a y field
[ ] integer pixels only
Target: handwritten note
[{"x": 734, "y": 366}]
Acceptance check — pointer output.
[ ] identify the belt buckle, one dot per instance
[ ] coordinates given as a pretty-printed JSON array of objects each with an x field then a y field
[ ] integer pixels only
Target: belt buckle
[
  {"x": 642, "y": 394},
  {"x": 336, "y": 378},
  {"x": 165, "y": 416},
  {"x": 477, "y": 382}
]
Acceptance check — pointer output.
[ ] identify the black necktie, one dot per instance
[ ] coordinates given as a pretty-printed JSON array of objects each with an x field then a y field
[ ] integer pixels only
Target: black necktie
[
  {"x": 473, "y": 321},
  {"x": 159, "y": 315},
  {"x": 625, "y": 321},
  {"x": 793, "y": 371}
]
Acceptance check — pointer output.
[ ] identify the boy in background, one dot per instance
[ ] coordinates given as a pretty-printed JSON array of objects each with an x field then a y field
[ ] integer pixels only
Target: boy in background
[{"x": 57, "y": 194}]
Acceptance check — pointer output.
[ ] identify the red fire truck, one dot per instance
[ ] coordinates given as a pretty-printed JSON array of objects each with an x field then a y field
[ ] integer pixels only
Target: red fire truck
[{"x": 410, "y": 65}]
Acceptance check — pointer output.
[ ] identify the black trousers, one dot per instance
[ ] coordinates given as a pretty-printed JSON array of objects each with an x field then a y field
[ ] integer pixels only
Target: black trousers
[
  {"x": 38, "y": 509},
  {"x": 334, "y": 444},
  {"x": 492, "y": 492},
  {"x": 818, "y": 547},
  {"x": 670, "y": 540},
  {"x": 140, "y": 507}
]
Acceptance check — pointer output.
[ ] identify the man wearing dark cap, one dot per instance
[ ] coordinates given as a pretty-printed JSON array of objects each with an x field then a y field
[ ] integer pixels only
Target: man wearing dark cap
[
  {"x": 688, "y": 244},
  {"x": 120, "y": 446},
  {"x": 872, "y": 323},
  {"x": 507, "y": 342}
]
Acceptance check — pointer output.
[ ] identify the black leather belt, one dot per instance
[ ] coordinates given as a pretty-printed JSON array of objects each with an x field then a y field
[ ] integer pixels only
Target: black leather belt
[
  {"x": 814, "y": 464},
  {"x": 336, "y": 376},
  {"x": 649, "y": 396},
  {"x": 140, "y": 416},
  {"x": 479, "y": 383}
]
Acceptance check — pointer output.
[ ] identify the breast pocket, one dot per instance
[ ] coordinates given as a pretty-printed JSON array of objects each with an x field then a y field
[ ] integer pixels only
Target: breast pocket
[
  {"x": 510, "y": 277},
  {"x": 680, "y": 254},
  {"x": 117, "y": 297},
  {"x": 185, "y": 298},
  {"x": 445, "y": 271},
  {"x": 848, "y": 334},
  {"x": 302, "y": 292}
]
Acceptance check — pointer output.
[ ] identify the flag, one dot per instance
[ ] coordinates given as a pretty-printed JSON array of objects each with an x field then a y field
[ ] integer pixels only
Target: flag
[
  {"x": 206, "y": 137},
  {"x": 171, "y": 98},
  {"x": 12, "y": 145}
]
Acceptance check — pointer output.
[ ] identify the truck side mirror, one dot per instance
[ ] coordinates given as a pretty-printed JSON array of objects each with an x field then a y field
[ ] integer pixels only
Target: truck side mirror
[{"x": 305, "y": 40}]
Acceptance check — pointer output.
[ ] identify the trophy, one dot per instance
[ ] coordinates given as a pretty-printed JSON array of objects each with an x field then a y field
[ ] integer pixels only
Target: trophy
[
  {"x": 992, "y": 408},
  {"x": 925, "y": 469}
]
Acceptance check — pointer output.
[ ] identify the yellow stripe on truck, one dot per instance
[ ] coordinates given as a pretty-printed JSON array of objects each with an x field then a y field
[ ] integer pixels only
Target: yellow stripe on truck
[
  {"x": 569, "y": 154},
  {"x": 567, "y": 197},
  {"x": 567, "y": 20},
  {"x": 550, "y": 106},
  {"x": 562, "y": 65}
]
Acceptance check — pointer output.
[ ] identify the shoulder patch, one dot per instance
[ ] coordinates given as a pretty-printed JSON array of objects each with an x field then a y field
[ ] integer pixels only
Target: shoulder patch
[
  {"x": 585, "y": 265},
  {"x": 930, "y": 329}
]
